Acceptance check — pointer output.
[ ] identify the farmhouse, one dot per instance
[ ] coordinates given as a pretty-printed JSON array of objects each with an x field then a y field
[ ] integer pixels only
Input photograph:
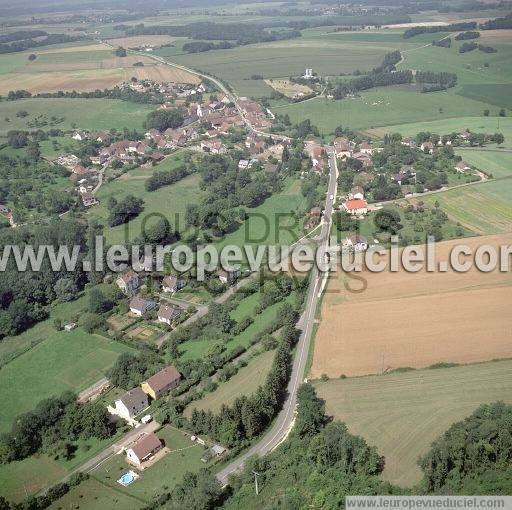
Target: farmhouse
[
  {"x": 80, "y": 135},
  {"x": 342, "y": 148},
  {"x": 409, "y": 142},
  {"x": 355, "y": 207},
  {"x": 167, "y": 379},
  {"x": 129, "y": 281},
  {"x": 365, "y": 159},
  {"x": 88, "y": 199},
  {"x": 131, "y": 403},
  {"x": 427, "y": 147},
  {"x": 228, "y": 276},
  {"x": 462, "y": 166},
  {"x": 140, "y": 306},
  {"x": 357, "y": 192},
  {"x": 143, "y": 449},
  {"x": 168, "y": 313},
  {"x": 172, "y": 283},
  {"x": 365, "y": 148}
]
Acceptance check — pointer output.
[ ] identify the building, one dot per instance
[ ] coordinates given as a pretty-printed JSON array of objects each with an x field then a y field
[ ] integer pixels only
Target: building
[
  {"x": 356, "y": 242},
  {"x": 131, "y": 403},
  {"x": 140, "y": 306},
  {"x": 462, "y": 166},
  {"x": 167, "y": 379},
  {"x": 143, "y": 449},
  {"x": 308, "y": 74},
  {"x": 4, "y": 209},
  {"x": 168, "y": 313},
  {"x": 129, "y": 281},
  {"x": 365, "y": 148},
  {"x": 356, "y": 207},
  {"x": 427, "y": 147},
  {"x": 228, "y": 277},
  {"x": 88, "y": 199},
  {"x": 80, "y": 135},
  {"x": 357, "y": 193},
  {"x": 342, "y": 148},
  {"x": 172, "y": 283}
]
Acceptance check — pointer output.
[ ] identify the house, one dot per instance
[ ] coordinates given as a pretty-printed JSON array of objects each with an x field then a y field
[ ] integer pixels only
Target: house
[
  {"x": 427, "y": 147},
  {"x": 356, "y": 242},
  {"x": 88, "y": 199},
  {"x": 465, "y": 135},
  {"x": 228, "y": 277},
  {"x": 406, "y": 175},
  {"x": 462, "y": 166},
  {"x": 103, "y": 137},
  {"x": 355, "y": 207},
  {"x": 80, "y": 135},
  {"x": 129, "y": 281},
  {"x": 316, "y": 212},
  {"x": 365, "y": 148},
  {"x": 143, "y": 449},
  {"x": 409, "y": 142},
  {"x": 131, "y": 403},
  {"x": 168, "y": 313},
  {"x": 308, "y": 74},
  {"x": 172, "y": 283},
  {"x": 357, "y": 192},
  {"x": 342, "y": 148},
  {"x": 365, "y": 159},
  {"x": 139, "y": 306},
  {"x": 71, "y": 326},
  {"x": 167, "y": 379}
]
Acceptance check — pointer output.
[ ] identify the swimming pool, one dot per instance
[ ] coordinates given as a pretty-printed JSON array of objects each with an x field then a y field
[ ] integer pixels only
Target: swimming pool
[{"x": 128, "y": 478}]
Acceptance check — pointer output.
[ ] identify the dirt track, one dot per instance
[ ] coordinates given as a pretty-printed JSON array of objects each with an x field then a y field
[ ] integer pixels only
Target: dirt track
[{"x": 415, "y": 319}]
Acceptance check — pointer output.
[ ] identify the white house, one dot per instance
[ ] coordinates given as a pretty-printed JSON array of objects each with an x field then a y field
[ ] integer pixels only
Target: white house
[
  {"x": 172, "y": 283},
  {"x": 129, "y": 281},
  {"x": 131, "y": 403},
  {"x": 168, "y": 313},
  {"x": 357, "y": 193},
  {"x": 356, "y": 242},
  {"x": 143, "y": 449},
  {"x": 140, "y": 306},
  {"x": 462, "y": 166},
  {"x": 228, "y": 276}
]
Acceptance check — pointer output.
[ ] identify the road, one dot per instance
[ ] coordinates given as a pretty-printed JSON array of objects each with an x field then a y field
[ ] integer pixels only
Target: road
[{"x": 284, "y": 421}]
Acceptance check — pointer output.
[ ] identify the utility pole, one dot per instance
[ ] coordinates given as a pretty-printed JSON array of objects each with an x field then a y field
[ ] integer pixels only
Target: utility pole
[{"x": 256, "y": 482}]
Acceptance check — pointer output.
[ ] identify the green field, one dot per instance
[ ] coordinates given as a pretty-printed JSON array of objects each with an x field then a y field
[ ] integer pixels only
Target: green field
[
  {"x": 484, "y": 208},
  {"x": 101, "y": 114},
  {"x": 456, "y": 125},
  {"x": 169, "y": 201},
  {"x": 494, "y": 162},
  {"x": 63, "y": 361},
  {"x": 92, "y": 494},
  {"x": 403, "y": 413},
  {"x": 184, "y": 456},
  {"x": 245, "y": 382}
]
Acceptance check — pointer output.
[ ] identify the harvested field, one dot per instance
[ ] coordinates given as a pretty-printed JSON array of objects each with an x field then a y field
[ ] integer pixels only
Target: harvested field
[
  {"x": 403, "y": 413},
  {"x": 415, "y": 319},
  {"x": 141, "y": 40},
  {"x": 288, "y": 88}
]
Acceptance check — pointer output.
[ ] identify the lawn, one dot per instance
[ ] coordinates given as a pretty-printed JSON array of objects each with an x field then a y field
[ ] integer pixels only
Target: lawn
[
  {"x": 381, "y": 107},
  {"x": 167, "y": 472},
  {"x": 456, "y": 125},
  {"x": 245, "y": 382},
  {"x": 403, "y": 413},
  {"x": 92, "y": 494},
  {"x": 497, "y": 163},
  {"x": 169, "y": 201},
  {"x": 484, "y": 208},
  {"x": 63, "y": 361},
  {"x": 78, "y": 113}
]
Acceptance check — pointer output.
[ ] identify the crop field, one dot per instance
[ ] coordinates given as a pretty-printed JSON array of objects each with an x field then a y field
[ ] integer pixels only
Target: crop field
[
  {"x": 288, "y": 88},
  {"x": 184, "y": 456},
  {"x": 169, "y": 201},
  {"x": 245, "y": 382},
  {"x": 406, "y": 319},
  {"x": 484, "y": 208},
  {"x": 454, "y": 125},
  {"x": 403, "y": 413},
  {"x": 140, "y": 40},
  {"x": 100, "y": 114},
  {"x": 494, "y": 162},
  {"x": 381, "y": 107},
  {"x": 64, "y": 361}
]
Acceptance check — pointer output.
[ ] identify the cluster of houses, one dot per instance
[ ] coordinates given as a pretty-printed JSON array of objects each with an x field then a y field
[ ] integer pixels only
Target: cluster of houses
[{"x": 169, "y": 89}]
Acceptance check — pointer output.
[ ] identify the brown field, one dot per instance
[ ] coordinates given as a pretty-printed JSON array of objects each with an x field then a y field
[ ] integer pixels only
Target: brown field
[
  {"x": 139, "y": 40},
  {"x": 288, "y": 88},
  {"x": 91, "y": 79},
  {"x": 496, "y": 35},
  {"x": 73, "y": 49},
  {"x": 415, "y": 319}
]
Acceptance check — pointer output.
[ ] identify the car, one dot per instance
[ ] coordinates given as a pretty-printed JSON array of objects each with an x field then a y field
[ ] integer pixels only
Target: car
[
  {"x": 146, "y": 419},
  {"x": 331, "y": 197}
]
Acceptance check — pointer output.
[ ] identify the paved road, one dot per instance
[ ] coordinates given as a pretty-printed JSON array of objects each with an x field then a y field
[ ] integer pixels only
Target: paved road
[{"x": 285, "y": 418}]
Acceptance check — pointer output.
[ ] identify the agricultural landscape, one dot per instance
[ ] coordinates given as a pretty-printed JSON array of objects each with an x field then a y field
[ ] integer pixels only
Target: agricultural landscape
[{"x": 286, "y": 125}]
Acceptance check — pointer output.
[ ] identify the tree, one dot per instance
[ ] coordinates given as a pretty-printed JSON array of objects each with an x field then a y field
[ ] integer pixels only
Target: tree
[
  {"x": 502, "y": 113},
  {"x": 387, "y": 220},
  {"x": 486, "y": 112},
  {"x": 120, "y": 52},
  {"x": 32, "y": 57},
  {"x": 90, "y": 322},
  {"x": 164, "y": 119},
  {"x": 65, "y": 289},
  {"x": 311, "y": 412},
  {"x": 98, "y": 303}
]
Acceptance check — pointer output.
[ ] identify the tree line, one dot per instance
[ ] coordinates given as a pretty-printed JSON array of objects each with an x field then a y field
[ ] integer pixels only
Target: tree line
[
  {"x": 454, "y": 27},
  {"x": 25, "y": 44}
]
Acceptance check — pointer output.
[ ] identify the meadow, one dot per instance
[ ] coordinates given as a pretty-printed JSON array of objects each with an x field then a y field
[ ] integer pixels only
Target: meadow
[
  {"x": 244, "y": 382},
  {"x": 90, "y": 114},
  {"x": 168, "y": 201},
  {"x": 63, "y": 361},
  {"x": 483, "y": 208},
  {"x": 390, "y": 320},
  {"x": 403, "y": 413},
  {"x": 494, "y": 162}
]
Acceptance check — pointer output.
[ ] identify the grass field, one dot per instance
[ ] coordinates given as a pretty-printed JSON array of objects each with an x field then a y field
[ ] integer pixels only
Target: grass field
[
  {"x": 100, "y": 114},
  {"x": 64, "y": 361},
  {"x": 497, "y": 163},
  {"x": 184, "y": 456},
  {"x": 245, "y": 382},
  {"x": 455, "y": 125},
  {"x": 403, "y": 413},
  {"x": 169, "y": 201},
  {"x": 414, "y": 319},
  {"x": 484, "y": 208}
]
